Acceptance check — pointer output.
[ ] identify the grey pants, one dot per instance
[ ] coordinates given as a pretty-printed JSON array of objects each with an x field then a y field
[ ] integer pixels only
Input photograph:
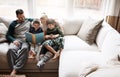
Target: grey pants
[{"x": 17, "y": 55}]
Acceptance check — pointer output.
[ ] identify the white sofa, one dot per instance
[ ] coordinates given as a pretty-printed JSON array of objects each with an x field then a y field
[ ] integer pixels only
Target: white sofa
[
  {"x": 78, "y": 55},
  {"x": 79, "y": 59}
]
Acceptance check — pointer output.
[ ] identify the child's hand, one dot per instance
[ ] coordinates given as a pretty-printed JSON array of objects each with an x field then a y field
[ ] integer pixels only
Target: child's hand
[
  {"x": 54, "y": 36},
  {"x": 47, "y": 36}
]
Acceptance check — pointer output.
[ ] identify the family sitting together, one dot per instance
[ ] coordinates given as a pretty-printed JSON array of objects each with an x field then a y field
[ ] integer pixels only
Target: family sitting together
[{"x": 20, "y": 48}]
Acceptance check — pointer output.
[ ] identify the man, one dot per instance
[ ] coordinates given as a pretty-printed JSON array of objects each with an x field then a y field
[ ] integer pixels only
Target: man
[{"x": 18, "y": 52}]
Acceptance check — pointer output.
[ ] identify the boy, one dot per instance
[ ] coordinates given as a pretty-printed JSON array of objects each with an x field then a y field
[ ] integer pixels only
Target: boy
[
  {"x": 53, "y": 42},
  {"x": 34, "y": 29}
]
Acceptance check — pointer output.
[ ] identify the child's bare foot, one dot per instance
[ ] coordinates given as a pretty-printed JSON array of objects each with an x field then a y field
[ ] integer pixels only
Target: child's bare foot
[
  {"x": 32, "y": 54},
  {"x": 56, "y": 55},
  {"x": 13, "y": 72}
]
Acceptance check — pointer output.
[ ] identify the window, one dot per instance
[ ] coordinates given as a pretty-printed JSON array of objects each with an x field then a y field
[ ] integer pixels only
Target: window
[
  {"x": 90, "y": 4},
  {"x": 88, "y": 7},
  {"x": 7, "y": 7},
  {"x": 53, "y": 8}
]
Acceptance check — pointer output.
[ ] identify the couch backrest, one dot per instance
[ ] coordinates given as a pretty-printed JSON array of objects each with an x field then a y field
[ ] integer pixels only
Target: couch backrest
[
  {"x": 111, "y": 45},
  {"x": 72, "y": 26},
  {"x": 102, "y": 34},
  {"x": 108, "y": 41}
]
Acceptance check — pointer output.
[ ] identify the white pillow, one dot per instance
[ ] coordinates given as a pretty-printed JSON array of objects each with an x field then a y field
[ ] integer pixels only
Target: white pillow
[
  {"x": 102, "y": 34},
  {"x": 3, "y": 31},
  {"x": 111, "y": 45},
  {"x": 6, "y": 21},
  {"x": 71, "y": 26},
  {"x": 88, "y": 27}
]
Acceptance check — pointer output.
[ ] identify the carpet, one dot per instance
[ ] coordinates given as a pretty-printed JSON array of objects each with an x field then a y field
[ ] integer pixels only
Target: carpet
[{"x": 12, "y": 76}]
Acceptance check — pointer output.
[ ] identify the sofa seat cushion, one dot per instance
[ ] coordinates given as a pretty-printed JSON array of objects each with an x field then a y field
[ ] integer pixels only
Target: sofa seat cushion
[
  {"x": 4, "y": 48},
  {"x": 72, "y": 62},
  {"x": 51, "y": 66},
  {"x": 73, "y": 42},
  {"x": 31, "y": 63},
  {"x": 106, "y": 72},
  {"x": 30, "y": 66}
]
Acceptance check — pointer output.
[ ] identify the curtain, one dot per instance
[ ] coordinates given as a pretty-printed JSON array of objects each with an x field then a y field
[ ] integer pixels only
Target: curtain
[
  {"x": 111, "y": 12},
  {"x": 118, "y": 22}
]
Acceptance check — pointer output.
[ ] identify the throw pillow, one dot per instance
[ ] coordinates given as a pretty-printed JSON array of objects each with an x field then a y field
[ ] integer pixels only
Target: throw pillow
[
  {"x": 93, "y": 34},
  {"x": 35, "y": 38},
  {"x": 3, "y": 30},
  {"x": 111, "y": 45},
  {"x": 71, "y": 26},
  {"x": 89, "y": 30},
  {"x": 6, "y": 21}
]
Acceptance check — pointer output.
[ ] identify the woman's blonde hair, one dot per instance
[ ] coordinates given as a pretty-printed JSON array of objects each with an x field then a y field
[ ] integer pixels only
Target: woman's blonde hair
[{"x": 43, "y": 15}]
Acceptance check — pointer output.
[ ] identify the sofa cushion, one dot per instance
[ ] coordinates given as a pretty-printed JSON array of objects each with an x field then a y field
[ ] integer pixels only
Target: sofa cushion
[
  {"x": 106, "y": 72},
  {"x": 73, "y": 42},
  {"x": 93, "y": 34},
  {"x": 71, "y": 26},
  {"x": 51, "y": 65},
  {"x": 3, "y": 48},
  {"x": 3, "y": 52},
  {"x": 89, "y": 30},
  {"x": 6, "y": 21},
  {"x": 111, "y": 45},
  {"x": 73, "y": 61},
  {"x": 102, "y": 34},
  {"x": 3, "y": 30}
]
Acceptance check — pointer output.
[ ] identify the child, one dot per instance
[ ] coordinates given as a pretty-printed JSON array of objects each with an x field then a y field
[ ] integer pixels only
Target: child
[
  {"x": 53, "y": 42},
  {"x": 43, "y": 20},
  {"x": 34, "y": 29}
]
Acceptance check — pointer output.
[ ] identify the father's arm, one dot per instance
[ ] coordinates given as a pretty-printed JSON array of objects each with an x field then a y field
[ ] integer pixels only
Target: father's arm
[
  {"x": 10, "y": 33},
  {"x": 30, "y": 19}
]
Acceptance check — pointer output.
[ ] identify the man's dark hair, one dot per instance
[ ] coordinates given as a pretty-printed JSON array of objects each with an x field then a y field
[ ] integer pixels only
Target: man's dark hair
[{"x": 19, "y": 11}]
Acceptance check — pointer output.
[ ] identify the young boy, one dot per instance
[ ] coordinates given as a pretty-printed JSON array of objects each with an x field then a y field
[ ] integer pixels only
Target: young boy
[
  {"x": 53, "y": 42},
  {"x": 34, "y": 29}
]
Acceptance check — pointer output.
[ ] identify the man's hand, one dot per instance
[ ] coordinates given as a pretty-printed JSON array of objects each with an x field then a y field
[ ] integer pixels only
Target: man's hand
[{"x": 17, "y": 43}]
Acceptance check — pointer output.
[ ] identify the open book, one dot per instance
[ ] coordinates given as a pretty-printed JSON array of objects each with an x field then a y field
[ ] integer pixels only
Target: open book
[{"x": 35, "y": 38}]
